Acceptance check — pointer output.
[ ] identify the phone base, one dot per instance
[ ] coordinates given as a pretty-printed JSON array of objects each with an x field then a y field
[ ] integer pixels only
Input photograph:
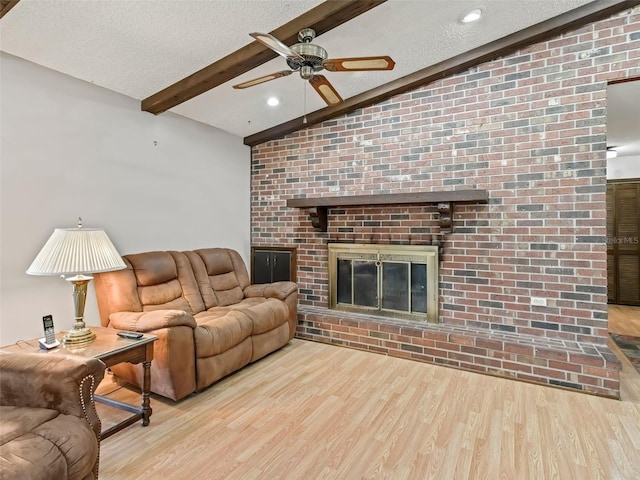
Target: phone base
[{"x": 47, "y": 346}]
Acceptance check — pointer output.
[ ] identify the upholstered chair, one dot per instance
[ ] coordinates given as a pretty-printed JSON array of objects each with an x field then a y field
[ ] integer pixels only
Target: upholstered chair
[{"x": 49, "y": 427}]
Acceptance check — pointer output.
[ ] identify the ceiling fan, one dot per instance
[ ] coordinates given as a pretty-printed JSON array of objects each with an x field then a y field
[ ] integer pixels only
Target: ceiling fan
[{"x": 309, "y": 59}]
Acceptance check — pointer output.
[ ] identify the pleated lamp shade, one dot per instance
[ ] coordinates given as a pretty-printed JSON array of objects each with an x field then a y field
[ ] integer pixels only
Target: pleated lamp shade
[{"x": 71, "y": 251}]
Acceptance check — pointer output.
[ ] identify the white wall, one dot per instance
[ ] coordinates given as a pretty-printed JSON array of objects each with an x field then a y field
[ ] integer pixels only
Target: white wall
[
  {"x": 69, "y": 148},
  {"x": 623, "y": 167}
]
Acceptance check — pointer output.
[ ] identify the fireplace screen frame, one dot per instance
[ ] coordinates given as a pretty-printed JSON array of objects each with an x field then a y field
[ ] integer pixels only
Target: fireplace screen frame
[{"x": 420, "y": 254}]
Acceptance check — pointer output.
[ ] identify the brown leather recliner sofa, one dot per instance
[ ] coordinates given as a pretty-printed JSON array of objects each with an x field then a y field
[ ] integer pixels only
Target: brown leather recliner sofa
[
  {"x": 209, "y": 320},
  {"x": 49, "y": 427}
]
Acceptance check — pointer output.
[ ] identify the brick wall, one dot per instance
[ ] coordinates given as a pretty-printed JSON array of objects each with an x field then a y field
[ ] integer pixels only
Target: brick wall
[{"x": 531, "y": 129}]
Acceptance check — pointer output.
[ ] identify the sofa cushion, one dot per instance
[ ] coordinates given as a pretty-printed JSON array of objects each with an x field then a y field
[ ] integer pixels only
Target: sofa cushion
[
  {"x": 245, "y": 303},
  {"x": 76, "y": 442},
  {"x": 226, "y": 288},
  {"x": 153, "y": 268},
  {"x": 31, "y": 456},
  {"x": 221, "y": 275},
  {"x": 202, "y": 277},
  {"x": 187, "y": 280},
  {"x": 20, "y": 420},
  {"x": 164, "y": 296},
  {"x": 165, "y": 281},
  {"x": 265, "y": 313},
  {"x": 61, "y": 447},
  {"x": 216, "y": 334}
]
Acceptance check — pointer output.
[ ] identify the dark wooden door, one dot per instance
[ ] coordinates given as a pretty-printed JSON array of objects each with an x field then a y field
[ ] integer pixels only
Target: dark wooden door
[{"x": 623, "y": 242}]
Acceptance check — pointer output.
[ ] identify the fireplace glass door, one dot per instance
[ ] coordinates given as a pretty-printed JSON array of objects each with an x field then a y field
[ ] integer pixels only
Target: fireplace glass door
[{"x": 391, "y": 280}]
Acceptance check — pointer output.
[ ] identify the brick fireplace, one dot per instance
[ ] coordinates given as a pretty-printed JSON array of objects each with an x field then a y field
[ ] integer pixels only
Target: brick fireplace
[{"x": 530, "y": 129}]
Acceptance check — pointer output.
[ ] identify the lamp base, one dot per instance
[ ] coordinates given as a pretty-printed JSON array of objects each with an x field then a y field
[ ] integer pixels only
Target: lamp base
[{"x": 78, "y": 337}]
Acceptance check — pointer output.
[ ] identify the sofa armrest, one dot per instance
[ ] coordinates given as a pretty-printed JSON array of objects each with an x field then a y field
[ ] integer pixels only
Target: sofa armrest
[
  {"x": 280, "y": 290},
  {"x": 62, "y": 382},
  {"x": 152, "y": 320}
]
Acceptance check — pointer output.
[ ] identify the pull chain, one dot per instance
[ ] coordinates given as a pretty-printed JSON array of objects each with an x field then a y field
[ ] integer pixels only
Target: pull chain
[{"x": 304, "y": 113}]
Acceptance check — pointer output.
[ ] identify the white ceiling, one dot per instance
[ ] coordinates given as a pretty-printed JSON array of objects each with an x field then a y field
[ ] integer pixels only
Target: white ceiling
[
  {"x": 140, "y": 47},
  {"x": 623, "y": 118}
]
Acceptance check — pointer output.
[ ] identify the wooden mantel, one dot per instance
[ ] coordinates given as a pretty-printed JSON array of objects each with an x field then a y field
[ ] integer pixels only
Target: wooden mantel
[{"x": 444, "y": 200}]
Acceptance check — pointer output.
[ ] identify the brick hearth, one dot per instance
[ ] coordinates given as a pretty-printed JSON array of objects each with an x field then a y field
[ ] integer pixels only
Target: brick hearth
[{"x": 556, "y": 362}]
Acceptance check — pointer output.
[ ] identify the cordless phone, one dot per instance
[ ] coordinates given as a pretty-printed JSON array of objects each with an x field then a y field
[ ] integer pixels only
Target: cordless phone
[{"x": 49, "y": 340}]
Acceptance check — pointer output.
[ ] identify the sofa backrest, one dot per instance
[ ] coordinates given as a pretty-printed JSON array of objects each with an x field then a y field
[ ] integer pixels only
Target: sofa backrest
[
  {"x": 165, "y": 281},
  {"x": 151, "y": 281},
  {"x": 192, "y": 281},
  {"x": 221, "y": 275}
]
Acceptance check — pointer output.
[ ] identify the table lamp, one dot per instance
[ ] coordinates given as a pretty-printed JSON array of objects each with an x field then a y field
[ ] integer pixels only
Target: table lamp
[{"x": 78, "y": 252}]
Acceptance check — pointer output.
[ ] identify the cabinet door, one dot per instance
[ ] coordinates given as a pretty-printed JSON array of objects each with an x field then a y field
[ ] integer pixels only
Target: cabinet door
[
  {"x": 281, "y": 266},
  {"x": 261, "y": 266},
  {"x": 273, "y": 264}
]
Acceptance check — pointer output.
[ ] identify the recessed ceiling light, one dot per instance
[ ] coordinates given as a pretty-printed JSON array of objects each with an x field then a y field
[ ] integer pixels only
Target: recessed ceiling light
[
  {"x": 471, "y": 16},
  {"x": 273, "y": 101}
]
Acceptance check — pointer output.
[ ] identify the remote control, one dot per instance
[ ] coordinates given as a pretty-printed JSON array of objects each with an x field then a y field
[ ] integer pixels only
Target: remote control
[{"x": 130, "y": 335}]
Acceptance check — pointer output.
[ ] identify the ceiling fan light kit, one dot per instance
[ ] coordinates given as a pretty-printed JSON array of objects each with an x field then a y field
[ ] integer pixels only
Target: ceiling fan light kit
[{"x": 308, "y": 59}]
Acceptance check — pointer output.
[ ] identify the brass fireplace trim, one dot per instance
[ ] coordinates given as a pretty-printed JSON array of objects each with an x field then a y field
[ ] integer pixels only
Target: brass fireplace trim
[{"x": 423, "y": 253}]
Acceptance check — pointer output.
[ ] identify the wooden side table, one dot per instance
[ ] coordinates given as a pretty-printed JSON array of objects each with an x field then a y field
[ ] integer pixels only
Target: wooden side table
[{"x": 111, "y": 349}]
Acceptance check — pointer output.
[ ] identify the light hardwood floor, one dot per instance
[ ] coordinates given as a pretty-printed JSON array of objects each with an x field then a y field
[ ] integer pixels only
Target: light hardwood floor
[
  {"x": 624, "y": 319},
  {"x": 315, "y": 411}
]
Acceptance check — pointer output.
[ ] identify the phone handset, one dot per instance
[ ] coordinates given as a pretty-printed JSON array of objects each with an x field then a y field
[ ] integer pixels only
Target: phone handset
[{"x": 49, "y": 341}]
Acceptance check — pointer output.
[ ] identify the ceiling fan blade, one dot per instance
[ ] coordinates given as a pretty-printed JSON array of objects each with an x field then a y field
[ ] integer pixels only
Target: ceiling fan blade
[
  {"x": 325, "y": 90},
  {"x": 276, "y": 45},
  {"x": 266, "y": 78},
  {"x": 357, "y": 64}
]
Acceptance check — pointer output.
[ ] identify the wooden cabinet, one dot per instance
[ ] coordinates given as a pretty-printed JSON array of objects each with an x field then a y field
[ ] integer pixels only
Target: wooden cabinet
[
  {"x": 273, "y": 264},
  {"x": 623, "y": 242}
]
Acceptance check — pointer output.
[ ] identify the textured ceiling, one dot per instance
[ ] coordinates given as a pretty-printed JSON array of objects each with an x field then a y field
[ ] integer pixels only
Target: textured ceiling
[{"x": 140, "y": 47}]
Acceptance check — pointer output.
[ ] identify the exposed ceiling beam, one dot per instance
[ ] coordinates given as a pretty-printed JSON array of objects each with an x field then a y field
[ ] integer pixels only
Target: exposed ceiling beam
[
  {"x": 572, "y": 20},
  {"x": 6, "y": 5},
  {"x": 322, "y": 18}
]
